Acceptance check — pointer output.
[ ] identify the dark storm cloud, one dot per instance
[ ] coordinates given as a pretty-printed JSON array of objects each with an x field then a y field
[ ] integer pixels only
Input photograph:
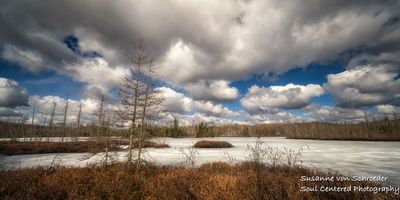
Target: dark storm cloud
[
  {"x": 271, "y": 36},
  {"x": 7, "y": 113},
  {"x": 11, "y": 94}
]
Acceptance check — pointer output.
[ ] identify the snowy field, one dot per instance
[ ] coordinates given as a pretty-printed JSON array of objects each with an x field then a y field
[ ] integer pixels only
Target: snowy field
[{"x": 355, "y": 158}]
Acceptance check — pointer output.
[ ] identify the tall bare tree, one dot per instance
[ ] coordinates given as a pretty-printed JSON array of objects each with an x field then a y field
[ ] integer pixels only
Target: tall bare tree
[
  {"x": 138, "y": 97},
  {"x": 51, "y": 121},
  {"x": 12, "y": 136},
  {"x": 100, "y": 115},
  {"x": 22, "y": 126},
  {"x": 43, "y": 132},
  {"x": 33, "y": 130},
  {"x": 65, "y": 119},
  {"x": 78, "y": 122}
]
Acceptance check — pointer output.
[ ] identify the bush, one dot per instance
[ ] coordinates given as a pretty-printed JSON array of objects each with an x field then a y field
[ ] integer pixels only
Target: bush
[{"x": 212, "y": 144}]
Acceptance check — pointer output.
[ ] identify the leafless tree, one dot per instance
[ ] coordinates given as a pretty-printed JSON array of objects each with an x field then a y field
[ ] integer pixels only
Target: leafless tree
[
  {"x": 100, "y": 114},
  {"x": 12, "y": 136},
  {"x": 109, "y": 121},
  {"x": 22, "y": 124},
  {"x": 78, "y": 122},
  {"x": 65, "y": 119},
  {"x": 51, "y": 121},
  {"x": 138, "y": 98},
  {"x": 43, "y": 132},
  {"x": 33, "y": 121}
]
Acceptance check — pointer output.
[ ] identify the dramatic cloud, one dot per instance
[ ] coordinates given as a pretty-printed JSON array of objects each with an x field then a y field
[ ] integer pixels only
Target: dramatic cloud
[
  {"x": 212, "y": 90},
  {"x": 176, "y": 102},
  {"x": 8, "y": 113},
  {"x": 194, "y": 119},
  {"x": 365, "y": 86},
  {"x": 388, "y": 109},
  {"x": 12, "y": 94},
  {"x": 269, "y": 118},
  {"x": 267, "y": 100},
  {"x": 376, "y": 59},
  {"x": 335, "y": 114},
  {"x": 97, "y": 73},
  {"x": 29, "y": 59},
  {"x": 217, "y": 41},
  {"x": 213, "y": 109}
]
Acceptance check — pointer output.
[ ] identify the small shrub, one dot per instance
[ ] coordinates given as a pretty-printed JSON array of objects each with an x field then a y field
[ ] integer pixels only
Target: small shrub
[
  {"x": 262, "y": 153},
  {"x": 191, "y": 155}
]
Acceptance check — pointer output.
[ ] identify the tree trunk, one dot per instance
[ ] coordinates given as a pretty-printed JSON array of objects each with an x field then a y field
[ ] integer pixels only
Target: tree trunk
[
  {"x": 51, "y": 122},
  {"x": 33, "y": 121},
  {"x": 78, "y": 122},
  {"x": 65, "y": 120}
]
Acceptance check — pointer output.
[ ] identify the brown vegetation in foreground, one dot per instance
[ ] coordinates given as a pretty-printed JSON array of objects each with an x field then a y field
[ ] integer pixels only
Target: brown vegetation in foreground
[
  {"x": 210, "y": 181},
  {"x": 212, "y": 144},
  {"x": 17, "y": 148}
]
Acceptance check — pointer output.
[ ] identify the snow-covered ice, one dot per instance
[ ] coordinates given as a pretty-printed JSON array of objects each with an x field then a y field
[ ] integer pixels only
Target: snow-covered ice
[{"x": 361, "y": 158}]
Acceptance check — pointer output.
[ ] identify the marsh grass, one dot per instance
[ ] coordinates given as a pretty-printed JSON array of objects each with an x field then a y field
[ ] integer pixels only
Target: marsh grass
[
  {"x": 212, "y": 144},
  {"x": 209, "y": 181}
]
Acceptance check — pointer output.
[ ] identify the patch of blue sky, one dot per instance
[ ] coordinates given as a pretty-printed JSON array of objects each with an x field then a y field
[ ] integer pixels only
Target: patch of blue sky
[
  {"x": 43, "y": 83},
  {"x": 72, "y": 43}
]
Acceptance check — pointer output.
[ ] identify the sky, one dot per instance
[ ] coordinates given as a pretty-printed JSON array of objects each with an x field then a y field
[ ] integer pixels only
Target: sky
[{"x": 219, "y": 62}]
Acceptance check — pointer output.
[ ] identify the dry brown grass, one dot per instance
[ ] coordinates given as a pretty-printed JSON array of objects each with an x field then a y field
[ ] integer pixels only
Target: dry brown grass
[
  {"x": 17, "y": 148},
  {"x": 151, "y": 144},
  {"x": 212, "y": 144},
  {"x": 210, "y": 181}
]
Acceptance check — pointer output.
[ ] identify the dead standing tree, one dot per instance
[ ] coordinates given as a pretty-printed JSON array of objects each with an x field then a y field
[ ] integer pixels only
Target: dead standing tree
[
  {"x": 33, "y": 129},
  {"x": 65, "y": 120},
  {"x": 138, "y": 97},
  {"x": 78, "y": 122},
  {"x": 51, "y": 121},
  {"x": 100, "y": 116},
  {"x": 149, "y": 103}
]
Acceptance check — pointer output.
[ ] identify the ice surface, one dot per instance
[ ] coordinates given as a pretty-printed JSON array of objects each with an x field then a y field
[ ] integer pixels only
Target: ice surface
[{"x": 361, "y": 158}]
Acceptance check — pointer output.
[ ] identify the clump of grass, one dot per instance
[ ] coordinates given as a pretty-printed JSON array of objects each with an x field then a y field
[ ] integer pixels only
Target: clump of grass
[
  {"x": 212, "y": 144},
  {"x": 209, "y": 181},
  {"x": 151, "y": 144}
]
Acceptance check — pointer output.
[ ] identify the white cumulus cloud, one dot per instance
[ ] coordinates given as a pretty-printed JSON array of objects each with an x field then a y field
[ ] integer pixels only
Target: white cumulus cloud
[
  {"x": 268, "y": 99},
  {"x": 367, "y": 85}
]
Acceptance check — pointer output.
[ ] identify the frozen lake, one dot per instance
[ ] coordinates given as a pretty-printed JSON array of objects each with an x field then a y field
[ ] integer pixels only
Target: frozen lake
[{"x": 355, "y": 158}]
